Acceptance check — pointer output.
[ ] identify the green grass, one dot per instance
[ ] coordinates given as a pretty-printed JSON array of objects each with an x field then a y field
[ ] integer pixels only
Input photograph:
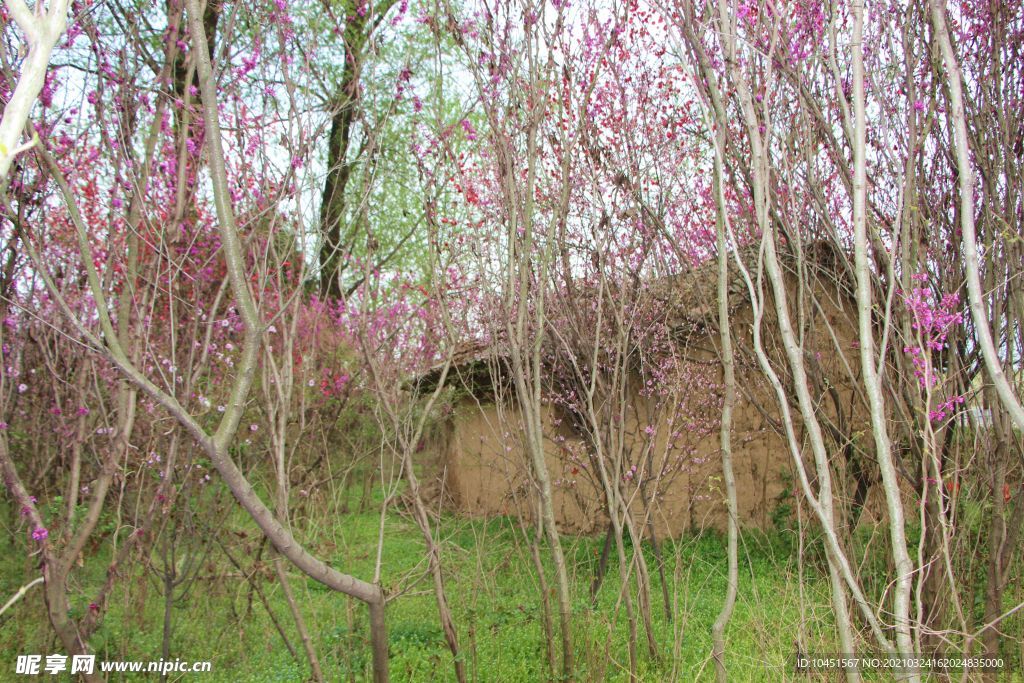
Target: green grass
[{"x": 491, "y": 586}]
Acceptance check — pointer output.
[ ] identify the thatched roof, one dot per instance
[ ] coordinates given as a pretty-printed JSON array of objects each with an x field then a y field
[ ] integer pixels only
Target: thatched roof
[{"x": 689, "y": 301}]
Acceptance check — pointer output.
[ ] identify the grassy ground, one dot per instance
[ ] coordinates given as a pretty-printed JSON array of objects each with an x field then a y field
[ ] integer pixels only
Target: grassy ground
[{"x": 493, "y": 591}]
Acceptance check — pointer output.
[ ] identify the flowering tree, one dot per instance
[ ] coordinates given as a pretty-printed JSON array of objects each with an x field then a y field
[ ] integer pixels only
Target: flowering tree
[
  {"x": 41, "y": 28},
  {"x": 263, "y": 231}
]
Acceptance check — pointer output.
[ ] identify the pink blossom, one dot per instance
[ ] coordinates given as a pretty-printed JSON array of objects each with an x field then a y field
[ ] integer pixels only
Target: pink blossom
[{"x": 947, "y": 407}]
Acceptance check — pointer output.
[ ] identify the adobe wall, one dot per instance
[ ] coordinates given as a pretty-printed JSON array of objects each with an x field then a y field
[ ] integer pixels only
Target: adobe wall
[
  {"x": 486, "y": 467},
  {"x": 486, "y": 472}
]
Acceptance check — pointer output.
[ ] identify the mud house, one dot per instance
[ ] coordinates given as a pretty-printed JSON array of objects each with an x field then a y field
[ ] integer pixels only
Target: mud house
[{"x": 669, "y": 465}]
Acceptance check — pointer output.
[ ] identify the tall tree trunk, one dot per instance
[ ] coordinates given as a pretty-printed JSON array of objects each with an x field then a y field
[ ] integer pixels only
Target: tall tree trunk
[
  {"x": 168, "y": 586},
  {"x": 54, "y": 589},
  {"x": 602, "y": 563},
  {"x": 344, "y": 106},
  {"x": 643, "y": 576},
  {"x": 542, "y": 584},
  {"x": 666, "y": 600},
  {"x": 822, "y": 503},
  {"x": 217, "y": 445},
  {"x": 728, "y": 404},
  {"x": 434, "y": 565},
  {"x": 872, "y": 383},
  {"x": 300, "y": 623},
  {"x": 965, "y": 173}
]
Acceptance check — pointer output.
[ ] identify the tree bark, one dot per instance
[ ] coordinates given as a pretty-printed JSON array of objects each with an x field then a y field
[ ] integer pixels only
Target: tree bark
[
  {"x": 728, "y": 404},
  {"x": 872, "y": 383},
  {"x": 993, "y": 365}
]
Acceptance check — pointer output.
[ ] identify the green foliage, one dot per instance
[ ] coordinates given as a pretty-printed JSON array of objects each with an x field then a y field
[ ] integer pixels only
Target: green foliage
[
  {"x": 784, "y": 511},
  {"x": 409, "y": 635},
  {"x": 492, "y": 590}
]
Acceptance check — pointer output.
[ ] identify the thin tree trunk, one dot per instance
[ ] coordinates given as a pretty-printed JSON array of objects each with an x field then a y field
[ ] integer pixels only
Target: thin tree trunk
[
  {"x": 54, "y": 592},
  {"x": 872, "y": 384},
  {"x": 822, "y": 507},
  {"x": 821, "y": 504},
  {"x": 561, "y": 575},
  {"x": 434, "y": 565},
  {"x": 1003, "y": 545},
  {"x": 255, "y": 588},
  {"x": 602, "y": 564},
  {"x": 300, "y": 623},
  {"x": 379, "y": 641},
  {"x": 545, "y": 602},
  {"x": 643, "y": 577},
  {"x": 666, "y": 600},
  {"x": 965, "y": 172},
  {"x": 281, "y": 469},
  {"x": 528, "y": 387},
  {"x": 526, "y": 366},
  {"x": 42, "y": 28},
  {"x": 612, "y": 501},
  {"x": 825, "y": 505},
  {"x": 626, "y": 596},
  {"x": 217, "y": 445},
  {"x": 75, "y": 478},
  {"x": 728, "y": 404},
  {"x": 168, "y": 585}
]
